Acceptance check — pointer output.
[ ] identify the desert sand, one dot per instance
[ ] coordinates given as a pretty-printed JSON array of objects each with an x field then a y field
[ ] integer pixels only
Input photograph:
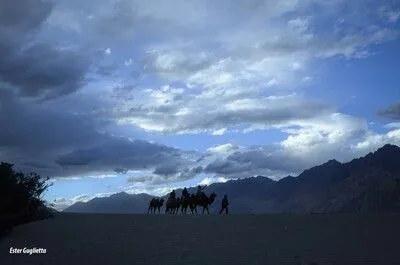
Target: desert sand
[{"x": 72, "y": 239}]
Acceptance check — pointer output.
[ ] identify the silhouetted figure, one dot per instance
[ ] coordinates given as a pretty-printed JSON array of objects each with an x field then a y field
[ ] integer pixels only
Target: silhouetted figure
[
  {"x": 185, "y": 204},
  {"x": 185, "y": 193},
  {"x": 171, "y": 204},
  {"x": 159, "y": 204},
  {"x": 202, "y": 201},
  {"x": 224, "y": 205},
  {"x": 152, "y": 206},
  {"x": 192, "y": 203},
  {"x": 397, "y": 186},
  {"x": 185, "y": 200},
  {"x": 178, "y": 204},
  {"x": 200, "y": 193},
  {"x": 205, "y": 201}
]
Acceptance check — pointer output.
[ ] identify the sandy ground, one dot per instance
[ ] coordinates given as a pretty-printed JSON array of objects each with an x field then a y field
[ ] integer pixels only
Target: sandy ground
[{"x": 73, "y": 239}]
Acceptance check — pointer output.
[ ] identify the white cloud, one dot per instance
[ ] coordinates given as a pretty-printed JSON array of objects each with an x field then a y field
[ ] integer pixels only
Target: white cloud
[
  {"x": 272, "y": 82},
  {"x": 215, "y": 110},
  {"x": 201, "y": 67},
  {"x": 309, "y": 143},
  {"x": 152, "y": 190},
  {"x": 211, "y": 180},
  {"x": 299, "y": 24},
  {"x": 393, "y": 125},
  {"x": 219, "y": 132},
  {"x": 227, "y": 78},
  {"x": 374, "y": 141},
  {"x": 318, "y": 134},
  {"x": 224, "y": 149},
  {"x": 103, "y": 176},
  {"x": 62, "y": 203}
]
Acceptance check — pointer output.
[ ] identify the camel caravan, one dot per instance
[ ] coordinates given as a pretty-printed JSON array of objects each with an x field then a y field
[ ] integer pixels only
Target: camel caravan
[{"x": 175, "y": 204}]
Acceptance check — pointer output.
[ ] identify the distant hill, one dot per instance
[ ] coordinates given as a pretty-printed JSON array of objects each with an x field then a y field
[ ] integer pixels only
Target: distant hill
[
  {"x": 367, "y": 184},
  {"x": 117, "y": 203}
]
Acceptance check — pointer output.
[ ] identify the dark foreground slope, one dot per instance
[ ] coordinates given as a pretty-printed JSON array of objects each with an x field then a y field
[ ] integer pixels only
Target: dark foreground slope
[
  {"x": 367, "y": 184},
  {"x": 236, "y": 239}
]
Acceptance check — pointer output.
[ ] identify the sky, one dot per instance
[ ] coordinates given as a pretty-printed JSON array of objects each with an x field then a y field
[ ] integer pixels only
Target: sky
[{"x": 105, "y": 96}]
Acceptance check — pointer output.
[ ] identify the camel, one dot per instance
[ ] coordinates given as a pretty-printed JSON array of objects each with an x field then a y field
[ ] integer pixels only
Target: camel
[
  {"x": 192, "y": 204},
  {"x": 201, "y": 200},
  {"x": 151, "y": 207},
  {"x": 171, "y": 205},
  {"x": 185, "y": 202},
  {"x": 159, "y": 204},
  {"x": 155, "y": 204},
  {"x": 179, "y": 201}
]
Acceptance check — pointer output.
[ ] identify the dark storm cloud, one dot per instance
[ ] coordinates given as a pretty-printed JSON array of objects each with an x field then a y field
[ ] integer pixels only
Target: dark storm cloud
[
  {"x": 62, "y": 136},
  {"x": 42, "y": 70},
  {"x": 120, "y": 170},
  {"x": 117, "y": 152},
  {"x": 23, "y": 15},
  {"x": 29, "y": 127},
  {"x": 188, "y": 173},
  {"x": 168, "y": 169},
  {"x": 248, "y": 161},
  {"x": 58, "y": 143},
  {"x": 34, "y": 68},
  {"x": 180, "y": 174},
  {"x": 125, "y": 151},
  {"x": 32, "y": 135},
  {"x": 227, "y": 167},
  {"x": 392, "y": 112},
  {"x": 139, "y": 179}
]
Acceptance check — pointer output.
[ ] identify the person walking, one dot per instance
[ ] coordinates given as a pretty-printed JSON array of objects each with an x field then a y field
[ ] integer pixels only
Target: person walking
[{"x": 224, "y": 205}]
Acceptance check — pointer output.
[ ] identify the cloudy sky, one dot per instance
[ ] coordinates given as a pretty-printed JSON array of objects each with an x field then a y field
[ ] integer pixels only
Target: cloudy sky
[{"x": 106, "y": 96}]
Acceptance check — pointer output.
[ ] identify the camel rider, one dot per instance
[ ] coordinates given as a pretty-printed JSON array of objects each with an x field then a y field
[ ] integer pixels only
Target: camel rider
[
  {"x": 200, "y": 192},
  {"x": 172, "y": 194},
  {"x": 185, "y": 193}
]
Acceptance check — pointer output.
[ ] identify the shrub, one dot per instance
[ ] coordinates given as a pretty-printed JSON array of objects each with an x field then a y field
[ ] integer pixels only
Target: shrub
[{"x": 20, "y": 197}]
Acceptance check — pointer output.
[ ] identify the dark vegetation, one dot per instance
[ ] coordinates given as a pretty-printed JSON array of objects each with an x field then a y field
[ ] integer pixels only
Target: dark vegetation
[{"x": 20, "y": 198}]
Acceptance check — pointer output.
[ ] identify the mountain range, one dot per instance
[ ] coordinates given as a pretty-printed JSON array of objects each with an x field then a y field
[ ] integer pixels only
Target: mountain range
[{"x": 367, "y": 184}]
